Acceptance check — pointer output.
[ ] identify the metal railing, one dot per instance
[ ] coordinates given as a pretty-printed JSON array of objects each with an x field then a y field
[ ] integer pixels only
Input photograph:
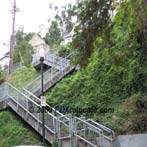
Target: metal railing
[
  {"x": 52, "y": 60},
  {"x": 38, "y": 101},
  {"x": 62, "y": 122},
  {"x": 87, "y": 132},
  {"x": 60, "y": 125},
  {"x": 51, "y": 76},
  {"x": 107, "y": 132},
  {"x": 36, "y": 83},
  {"x": 32, "y": 107},
  {"x": 93, "y": 133}
]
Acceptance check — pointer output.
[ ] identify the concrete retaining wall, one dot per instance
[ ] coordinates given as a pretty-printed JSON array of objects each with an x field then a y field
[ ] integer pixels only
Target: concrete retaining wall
[
  {"x": 137, "y": 140},
  {"x": 3, "y": 104}
]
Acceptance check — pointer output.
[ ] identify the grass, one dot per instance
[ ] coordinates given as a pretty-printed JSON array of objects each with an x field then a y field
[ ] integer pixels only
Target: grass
[
  {"x": 22, "y": 76},
  {"x": 13, "y": 131}
]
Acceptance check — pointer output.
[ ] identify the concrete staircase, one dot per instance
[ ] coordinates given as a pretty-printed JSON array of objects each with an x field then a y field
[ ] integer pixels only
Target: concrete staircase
[
  {"x": 59, "y": 67},
  {"x": 52, "y": 60},
  {"x": 51, "y": 77},
  {"x": 68, "y": 130}
]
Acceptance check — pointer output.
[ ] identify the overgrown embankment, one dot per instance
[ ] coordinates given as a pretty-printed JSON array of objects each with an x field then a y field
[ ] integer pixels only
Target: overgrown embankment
[
  {"x": 116, "y": 76},
  {"x": 22, "y": 76},
  {"x": 13, "y": 131}
]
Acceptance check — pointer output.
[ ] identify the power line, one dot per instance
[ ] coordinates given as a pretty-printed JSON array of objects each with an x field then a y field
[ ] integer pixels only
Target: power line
[{"x": 13, "y": 11}]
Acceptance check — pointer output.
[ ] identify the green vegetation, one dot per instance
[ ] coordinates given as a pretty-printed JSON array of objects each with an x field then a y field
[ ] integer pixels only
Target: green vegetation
[
  {"x": 93, "y": 20},
  {"x": 60, "y": 27},
  {"x": 53, "y": 37},
  {"x": 115, "y": 73},
  {"x": 22, "y": 76},
  {"x": 116, "y": 76},
  {"x": 2, "y": 76},
  {"x": 23, "y": 50},
  {"x": 14, "y": 132}
]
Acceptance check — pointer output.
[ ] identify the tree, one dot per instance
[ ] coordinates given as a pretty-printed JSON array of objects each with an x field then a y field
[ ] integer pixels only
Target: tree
[
  {"x": 60, "y": 26},
  {"x": 53, "y": 36},
  {"x": 93, "y": 20},
  {"x": 23, "y": 50},
  {"x": 89, "y": 19}
]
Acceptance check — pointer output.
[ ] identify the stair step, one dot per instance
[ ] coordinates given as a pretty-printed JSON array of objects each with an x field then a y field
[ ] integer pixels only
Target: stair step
[{"x": 23, "y": 99}]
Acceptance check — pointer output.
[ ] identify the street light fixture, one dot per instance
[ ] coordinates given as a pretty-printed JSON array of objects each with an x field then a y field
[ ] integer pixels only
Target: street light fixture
[{"x": 42, "y": 56}]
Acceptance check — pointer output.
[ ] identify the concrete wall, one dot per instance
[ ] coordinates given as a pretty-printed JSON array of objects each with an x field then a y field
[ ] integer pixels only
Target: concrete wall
[
  {"x": 3, "y": 104},
  {"x": 137, "y": 140}
]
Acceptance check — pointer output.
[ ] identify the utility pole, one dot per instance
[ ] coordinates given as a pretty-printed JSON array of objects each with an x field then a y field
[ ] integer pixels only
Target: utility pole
[{"x": 12, "y": 36}]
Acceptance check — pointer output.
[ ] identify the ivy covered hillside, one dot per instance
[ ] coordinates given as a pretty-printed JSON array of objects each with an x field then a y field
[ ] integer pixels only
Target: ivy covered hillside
[{"x": 109, "y": 45}]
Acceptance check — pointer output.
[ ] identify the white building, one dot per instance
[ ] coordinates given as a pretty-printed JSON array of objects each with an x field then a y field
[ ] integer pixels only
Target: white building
[
  {"x": 4, "y": 61},
  {"x": 37, "y": 41}
]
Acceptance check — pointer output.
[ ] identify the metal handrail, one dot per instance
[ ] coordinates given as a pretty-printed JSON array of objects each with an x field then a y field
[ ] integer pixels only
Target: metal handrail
[
  {"x": 36, "y": 79},
  {"x": 48, "y": 73},
  {"x": 50, "y": 57},
  {"x": 104, "y": 128},
  {"x": 48, "y": 76},
  {"x": 31, "y": 114},
  {"x": 62, "y": 65},
  {"x": 75, "y": 126},
  {"x": 88, "y": 124},
  {"x": 93, "y": 145},
  {"x": 56, "y": 111},
  {"x": 93, "y": 126},
  {"x": 21, "y": 93},
  {"x": 54, "y": 117}
]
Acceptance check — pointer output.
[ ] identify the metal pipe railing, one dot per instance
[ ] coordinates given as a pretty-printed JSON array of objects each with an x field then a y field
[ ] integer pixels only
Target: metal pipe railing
[{"x": 79, "y": 127}]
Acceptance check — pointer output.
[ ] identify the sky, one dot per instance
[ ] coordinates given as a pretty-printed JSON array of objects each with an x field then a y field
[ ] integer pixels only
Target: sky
[{"x": 32, "y": 14}]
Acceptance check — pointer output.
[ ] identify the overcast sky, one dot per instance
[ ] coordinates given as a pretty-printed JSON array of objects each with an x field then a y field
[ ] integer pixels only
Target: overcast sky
[{"x": 32, "y": 14}]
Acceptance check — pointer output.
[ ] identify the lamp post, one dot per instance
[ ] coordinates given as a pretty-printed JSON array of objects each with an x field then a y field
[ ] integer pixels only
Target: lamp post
[{"x": 42, "y": 54}]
